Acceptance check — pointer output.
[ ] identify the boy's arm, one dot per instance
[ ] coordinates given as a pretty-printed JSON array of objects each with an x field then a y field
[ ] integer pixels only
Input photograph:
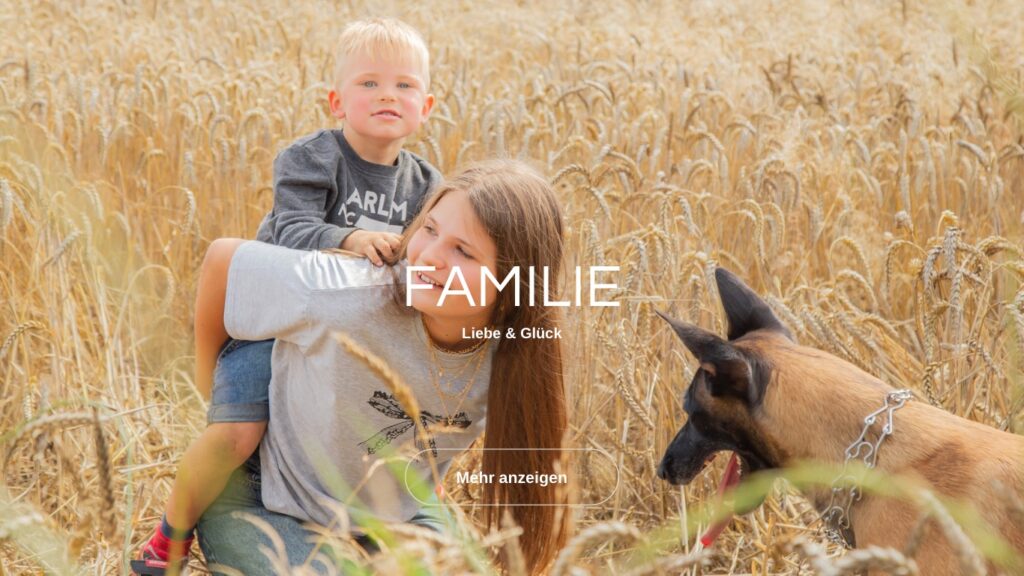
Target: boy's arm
[
  {"x": 431, "y": 181},
  {"x": 209, "y": 312},
  {"x": 303, "y": 190}
]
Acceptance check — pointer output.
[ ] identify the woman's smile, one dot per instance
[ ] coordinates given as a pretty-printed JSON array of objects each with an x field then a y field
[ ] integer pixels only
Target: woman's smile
[{"x": 425, "y": 280}]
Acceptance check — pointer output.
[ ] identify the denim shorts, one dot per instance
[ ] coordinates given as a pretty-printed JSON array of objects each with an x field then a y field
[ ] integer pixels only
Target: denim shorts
[
  {"x": 241, "y": 382},
  {"x": 233, "y": 534}
]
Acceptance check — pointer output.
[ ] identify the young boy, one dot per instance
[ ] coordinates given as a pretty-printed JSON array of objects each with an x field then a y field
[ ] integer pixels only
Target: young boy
[{"x": 354, "y": 189}]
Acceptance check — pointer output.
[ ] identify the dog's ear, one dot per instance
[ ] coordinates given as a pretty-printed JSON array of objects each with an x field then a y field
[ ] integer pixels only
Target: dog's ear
[
  {"x": 745, "y": 310},
  {"x": 730, "y": 372}
]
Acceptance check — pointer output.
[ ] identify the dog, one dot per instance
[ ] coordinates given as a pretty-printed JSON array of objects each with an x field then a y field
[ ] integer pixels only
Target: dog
[{"x": 773, "y": 403}]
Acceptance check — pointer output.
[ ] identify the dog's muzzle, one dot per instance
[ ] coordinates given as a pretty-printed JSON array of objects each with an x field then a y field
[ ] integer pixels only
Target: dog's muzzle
[{"x": 687, "y": 456}]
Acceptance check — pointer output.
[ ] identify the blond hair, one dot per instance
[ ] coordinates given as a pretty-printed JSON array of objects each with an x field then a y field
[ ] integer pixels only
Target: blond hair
[{"x": 381, "y": 39}]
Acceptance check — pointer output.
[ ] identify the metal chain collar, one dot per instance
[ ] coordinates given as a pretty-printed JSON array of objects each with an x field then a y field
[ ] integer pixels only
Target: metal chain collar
[{"x": 836, "y": 518}]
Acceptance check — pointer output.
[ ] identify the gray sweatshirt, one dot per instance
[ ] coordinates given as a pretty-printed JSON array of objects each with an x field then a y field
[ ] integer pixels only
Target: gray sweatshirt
[
  {"x": 323, "y": 191},
  {"x": 332, "y": 418}
]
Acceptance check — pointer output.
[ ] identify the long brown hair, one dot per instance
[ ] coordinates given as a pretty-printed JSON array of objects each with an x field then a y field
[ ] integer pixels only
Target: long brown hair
[{"x": 526, "y": 407}]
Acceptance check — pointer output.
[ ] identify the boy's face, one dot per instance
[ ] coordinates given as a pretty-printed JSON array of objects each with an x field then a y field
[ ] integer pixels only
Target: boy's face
[{"x": 380, "y": 101}]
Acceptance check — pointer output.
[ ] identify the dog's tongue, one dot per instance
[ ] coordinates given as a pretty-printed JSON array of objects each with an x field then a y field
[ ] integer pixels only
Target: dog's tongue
[{"x": 729, "y": 479}]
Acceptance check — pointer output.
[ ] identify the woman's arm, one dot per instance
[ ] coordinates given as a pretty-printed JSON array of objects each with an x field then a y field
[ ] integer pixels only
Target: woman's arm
[{"x": 209, "y": 320}]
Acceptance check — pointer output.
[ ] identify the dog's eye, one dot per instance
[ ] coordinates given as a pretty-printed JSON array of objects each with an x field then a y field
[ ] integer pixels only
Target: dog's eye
[
  {"x": 709, "y": 380},
  {"x": 701, "y": 422}
]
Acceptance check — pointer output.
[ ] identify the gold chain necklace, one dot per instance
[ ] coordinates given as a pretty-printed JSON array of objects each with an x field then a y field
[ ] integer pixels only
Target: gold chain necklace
[
  {"x": 462, "y": 394},
  {"x": 476, "y": 357},
  {"x": 463, "y": 352}
]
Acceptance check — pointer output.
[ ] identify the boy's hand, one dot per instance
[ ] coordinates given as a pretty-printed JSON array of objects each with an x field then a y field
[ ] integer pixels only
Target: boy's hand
[{"x": 379, "y": 247}]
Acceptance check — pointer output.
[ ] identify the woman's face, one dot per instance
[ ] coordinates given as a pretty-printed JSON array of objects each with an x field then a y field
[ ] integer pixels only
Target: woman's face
[{"x": 453, "y": 238}]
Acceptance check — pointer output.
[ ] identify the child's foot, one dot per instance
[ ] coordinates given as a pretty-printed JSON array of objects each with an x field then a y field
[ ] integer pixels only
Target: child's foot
[
  {"x": 162, "y": 555},
  {"x": 153, "y": 567}
]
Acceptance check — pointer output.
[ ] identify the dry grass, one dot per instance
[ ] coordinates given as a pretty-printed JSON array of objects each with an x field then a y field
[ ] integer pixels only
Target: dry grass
[{"x": 861, "y": 163}]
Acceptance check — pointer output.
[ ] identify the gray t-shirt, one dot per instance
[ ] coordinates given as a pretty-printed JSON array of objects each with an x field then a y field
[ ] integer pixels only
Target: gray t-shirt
[
  {"x": 331, "y": 417},
  {"x": 323, "y": 191}
]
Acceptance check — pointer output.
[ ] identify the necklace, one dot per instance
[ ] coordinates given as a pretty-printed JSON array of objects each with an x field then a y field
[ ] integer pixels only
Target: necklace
[
  {"x": 461, "y": 395},
  {"x": 460, "y": 352},
  {"x": 446, "y": 389}
]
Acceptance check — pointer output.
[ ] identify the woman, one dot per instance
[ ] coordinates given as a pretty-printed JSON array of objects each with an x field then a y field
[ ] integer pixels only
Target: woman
[{"x": 332, "y": 417}]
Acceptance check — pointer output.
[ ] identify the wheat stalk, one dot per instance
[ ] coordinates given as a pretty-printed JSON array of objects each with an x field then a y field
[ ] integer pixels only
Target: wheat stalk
[
  {"x": 105, "y": 503},
  {"x": 654, "y": 142},
  {"x": 598, "y": 533},
  {"x": 18, "y": 331},
  {"x": 392, "y": 380}
]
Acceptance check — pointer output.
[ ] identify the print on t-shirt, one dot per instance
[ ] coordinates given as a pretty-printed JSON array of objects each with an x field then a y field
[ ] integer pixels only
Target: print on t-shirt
[
  {"x": 387, "y": 405},
  {"x": 373, "y": 211}
]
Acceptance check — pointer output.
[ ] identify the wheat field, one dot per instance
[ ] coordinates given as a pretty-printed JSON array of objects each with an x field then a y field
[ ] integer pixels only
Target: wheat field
[{"x": 859, "y": 163}]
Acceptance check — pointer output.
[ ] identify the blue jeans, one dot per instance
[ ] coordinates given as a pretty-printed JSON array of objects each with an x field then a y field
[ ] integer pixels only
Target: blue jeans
[
  {"x": 241, "y": 394},
  {"x": 230, "y": 536},
  {"x": 241, "y": 382},
  {"x": 241, "y": 385}
]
